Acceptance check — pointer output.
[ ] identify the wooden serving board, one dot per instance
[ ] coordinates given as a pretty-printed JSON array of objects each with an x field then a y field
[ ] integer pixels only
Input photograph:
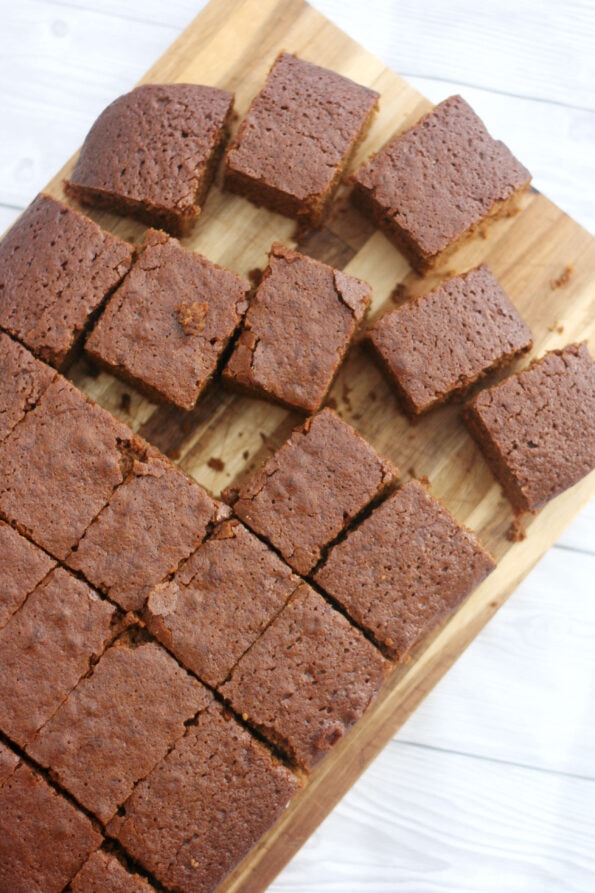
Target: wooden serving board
[{"x": 232, "y": 44}]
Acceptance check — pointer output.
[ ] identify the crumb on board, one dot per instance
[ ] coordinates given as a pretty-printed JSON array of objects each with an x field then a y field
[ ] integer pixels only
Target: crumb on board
[
  {"x": 331, "y": 403},
  {"x": 516, "y": 533},
  {"x": 556, "y": 326},
  {"x": 125, "y": 401},
  {"x": 255, "y": 276},
  {"x": 399, "y": 293},
  {"x": 174, "y": 454},
  {"x": 246, "y": 455},
  {"x": 563, "y": 279},
  {"x": 216, "y": 464}
]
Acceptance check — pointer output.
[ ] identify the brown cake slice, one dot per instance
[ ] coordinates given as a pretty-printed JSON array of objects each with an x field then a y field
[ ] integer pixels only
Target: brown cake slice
[
  {"x": 537, "y": 428},
  {"x": 103, "y": 873},
  {"x": 437, "y": 346},
  {"x": 220, "y": 601},
  {"x": 204, "y": 807},
  {"x": 23, "y": 380},
  {"x": 311, "y": 488},
  {"x": 45, "y": 648},
  {"x": 153, "y": 521},
  {"x": 118, "y": 723},
  {"x": 307, "y": 679},
  {"x": 152, "y": 154},
  {"x": 430, "y": 188},
  {"x": 298, "y": 138},
  {"x": 166, "y": 327},
  {"x": 57, "y": 269},
  {"x": 44, "y": 839},
  {"x": 406, "y": 567},
  {"x": 60, "y": 465},
  {"x": 22, "y": 567},
  {"x": 297, "y": 331}
]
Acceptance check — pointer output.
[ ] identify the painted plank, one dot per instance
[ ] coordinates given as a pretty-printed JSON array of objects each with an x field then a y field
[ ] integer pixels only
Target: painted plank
[
  {"x": 451, "y": 824},
  {"x": 535, "y": 702}
]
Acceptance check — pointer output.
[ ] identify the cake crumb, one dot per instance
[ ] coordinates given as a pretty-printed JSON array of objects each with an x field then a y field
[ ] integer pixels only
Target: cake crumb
[
  {"x": 516, "y": 533},
  {"x": 255, "y": 276},
  {"x": 399, "y": 293},
  {"x": 216, "y": 464},
  {"x": 556, "y": 326},
  {"x": 331, "y": 403},
  {"x": 563, "y": 279},
  {"x": 125, "y": 402},
  {"x": 411, "y": 471},
  {"x": 192, "y": 317},
  {"x": 174, "y": 454},
  {"x": 246, "y": 455}
]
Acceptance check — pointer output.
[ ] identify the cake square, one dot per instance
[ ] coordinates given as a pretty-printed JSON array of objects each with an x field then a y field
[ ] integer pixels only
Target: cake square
[
  {"x": 46, "y": 647},
  {"x": 102, "y": 872},
  {"x": 406, "y": 567},
  {"x": 153, "y": 521},
  {"x": 311, "y": 488},
  {"x": 204, "y": 807},
  {"x": 298, "y": 138},
  {"x": 220, "y": 601},
  {"x": 60, "y": 465},
  {"x": 58, "y": 267},
  {"x": 297, "y": 331},
  {"x": 166, "y": 327},
  {"x": 430, "y": 188},
  {"x": 118, "y": 723},
  {"x": 22, "y": 567},
  {"x": 44, "y": 839},
  {"x": 307, "y": 679},
  {"x": 536, "y": 429},
  {"x": 23, "y": 380},
  {"x": 153, "y": 153},
  {"x": 439, "y": 345}
]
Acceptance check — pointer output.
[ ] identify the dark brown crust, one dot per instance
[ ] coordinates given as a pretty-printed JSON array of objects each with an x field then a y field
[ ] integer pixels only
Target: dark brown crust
[
  {"x": 297, "y": 331},
  {"x": 260, "y": 168},
  {"x": 103, "y": 873},
  {"x": 189, "y": 125},
  {"x": 406, "y": 567},
  {"x": 431, "y": 188},
  {"x": 438, "y": 346},
  {"x": 537, "y": 428}
]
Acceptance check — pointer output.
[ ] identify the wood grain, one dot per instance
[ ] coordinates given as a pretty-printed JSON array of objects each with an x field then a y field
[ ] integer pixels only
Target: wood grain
[{"x": 232, "y": 45}]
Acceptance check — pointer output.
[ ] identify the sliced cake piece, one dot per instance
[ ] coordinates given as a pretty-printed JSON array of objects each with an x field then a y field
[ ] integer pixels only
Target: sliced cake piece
[
  {"x": 297, "y": 331},
  {"x": 406, "y": 567},
  {"x": 220, "y": 601},
  {"x": 44, "y": 839},
  {"x": 204, "y": 807},
  {"x": 537, "y": 428},
  {"x": 23, "y": 380},
  {"x": 166, "y": 327},
  {"x": 152, "y": 154},
  {"x": 440, "y": 344},
  {"x": 45, "y": 648},
  {"x": 57, "y": 269},
  {"x": 102, "y": 872},
  {"x": 311, "y": 488},
  {"x": 22, "y": 567},
  {"x": 118, "y": 723},
  {"x": 61, "y": 464},
  {"x": 431, "y": 188},
  {"x": 153, "y": 521},
  {"x": 307, "y": 679},
  {"x": 298, "y": 138}
]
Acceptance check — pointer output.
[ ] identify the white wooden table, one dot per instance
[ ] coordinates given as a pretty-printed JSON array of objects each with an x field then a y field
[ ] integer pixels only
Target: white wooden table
[{"x": 491, "y": 785}]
